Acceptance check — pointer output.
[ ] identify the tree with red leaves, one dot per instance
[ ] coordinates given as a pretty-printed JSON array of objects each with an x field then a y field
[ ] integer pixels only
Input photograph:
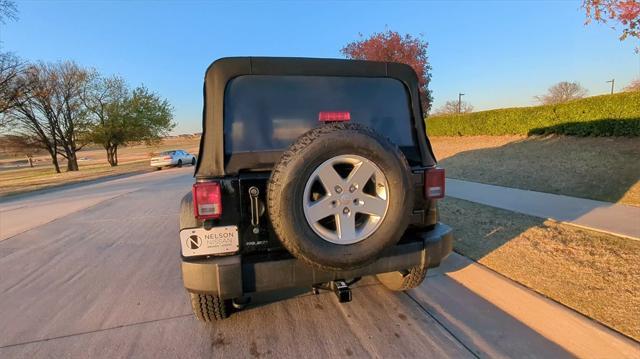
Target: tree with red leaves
[
  {"x": 625, "y": 12},
  {"x": 392, "y": 47}
]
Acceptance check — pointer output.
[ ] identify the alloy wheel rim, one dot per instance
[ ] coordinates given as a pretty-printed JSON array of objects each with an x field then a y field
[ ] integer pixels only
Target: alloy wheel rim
[{"x": 346, "y": 199}]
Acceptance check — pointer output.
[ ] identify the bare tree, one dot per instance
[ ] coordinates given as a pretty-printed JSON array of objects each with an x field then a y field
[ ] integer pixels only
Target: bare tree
[
  {"x": 103, "y": 92},
  {"x": 49, "y": 109},
  {"x": 70, "y": 81},
  {"x": 10, "y": 69},
  {"x": 8, "y": 11},
  {"x": 451, "y": 107},
  {"x": 35, "y": 119},
  {"x": 633, "y": 86},
  {"x": 562, "y": 92}
]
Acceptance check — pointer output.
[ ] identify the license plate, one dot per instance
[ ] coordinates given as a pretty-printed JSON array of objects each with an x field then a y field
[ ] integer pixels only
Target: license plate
[{"x": 217, "y": 240}]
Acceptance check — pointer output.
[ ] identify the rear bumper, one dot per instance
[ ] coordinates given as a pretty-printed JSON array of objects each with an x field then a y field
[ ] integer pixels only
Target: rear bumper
[
  {"x": 162, "y": 163},
  {"x": 228, "y": 277}
]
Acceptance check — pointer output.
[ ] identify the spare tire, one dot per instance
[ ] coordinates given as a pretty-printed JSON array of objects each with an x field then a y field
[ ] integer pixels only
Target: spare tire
[{"x": 339, "y": 196}]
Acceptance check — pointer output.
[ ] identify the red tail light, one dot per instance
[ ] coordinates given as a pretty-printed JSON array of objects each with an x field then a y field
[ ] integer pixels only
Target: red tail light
[
  {"x": 434, "y": 183},
  {"x": 334, "y": 116},
  {"x": 207, "y": 200},
  {"x": 166, "y": 157}
]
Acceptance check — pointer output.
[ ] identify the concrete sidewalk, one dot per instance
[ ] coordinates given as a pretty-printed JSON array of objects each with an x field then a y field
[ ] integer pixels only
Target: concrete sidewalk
[
  {"x": 497, "y": 318},
  {"x": 618, "y": 219}
]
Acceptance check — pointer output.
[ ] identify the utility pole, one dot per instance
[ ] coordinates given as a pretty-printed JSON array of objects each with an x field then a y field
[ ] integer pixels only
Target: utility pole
[
  {"x": 460, "y": 102},
  {"x": 613, "y": 81}
]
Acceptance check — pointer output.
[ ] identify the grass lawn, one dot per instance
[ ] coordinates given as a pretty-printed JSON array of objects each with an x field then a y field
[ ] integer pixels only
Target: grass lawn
[
  {"x": 31, "y": 179},
  {"x": 93, "y": 166},
  {"x": 601, "y": 168},
  {"x": 596, "y": 274}
]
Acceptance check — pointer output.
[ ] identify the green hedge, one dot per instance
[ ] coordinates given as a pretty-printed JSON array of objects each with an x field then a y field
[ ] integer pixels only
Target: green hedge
[{"x": 608, "y": 115}]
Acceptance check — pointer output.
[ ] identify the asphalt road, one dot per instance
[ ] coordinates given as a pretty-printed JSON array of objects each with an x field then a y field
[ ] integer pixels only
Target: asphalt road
[{"x": 93, "y": 271}]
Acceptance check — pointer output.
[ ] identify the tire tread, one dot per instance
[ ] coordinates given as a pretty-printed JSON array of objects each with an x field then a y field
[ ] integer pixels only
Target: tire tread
[
  {"x": 397, "y": 282},
  {"x": 277, "y": 177},
  {"x": 209, "y": 308}
]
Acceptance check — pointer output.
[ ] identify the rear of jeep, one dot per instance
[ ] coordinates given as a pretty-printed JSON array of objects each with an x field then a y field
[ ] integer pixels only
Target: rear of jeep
[{"x": 312, "y": 173}]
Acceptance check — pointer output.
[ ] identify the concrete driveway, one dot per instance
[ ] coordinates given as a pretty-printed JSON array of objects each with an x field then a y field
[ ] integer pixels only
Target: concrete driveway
[{"x": 93, "y": 271}]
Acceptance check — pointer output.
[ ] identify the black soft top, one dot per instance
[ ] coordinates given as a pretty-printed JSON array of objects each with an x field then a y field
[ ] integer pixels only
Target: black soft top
[{"x": 211, "y": 158}]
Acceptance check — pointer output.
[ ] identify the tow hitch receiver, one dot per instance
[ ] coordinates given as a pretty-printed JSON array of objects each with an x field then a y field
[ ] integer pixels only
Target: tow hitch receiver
[
  {"x": 339, "y": 287},
  {"x": 342, "y": 290}
]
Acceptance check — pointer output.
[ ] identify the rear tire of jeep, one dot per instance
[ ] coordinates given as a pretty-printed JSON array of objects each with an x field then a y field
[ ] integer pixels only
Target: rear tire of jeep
[
  {"x": 290, "y": 176},
  {"x": 399, "y": 281},
  {"x": 179, "y": 163},
  {"x": 209, "y": 308}
]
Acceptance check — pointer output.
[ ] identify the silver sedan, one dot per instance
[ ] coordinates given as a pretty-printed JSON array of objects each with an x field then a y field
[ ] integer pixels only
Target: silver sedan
[{"x": 173, "y": 158}]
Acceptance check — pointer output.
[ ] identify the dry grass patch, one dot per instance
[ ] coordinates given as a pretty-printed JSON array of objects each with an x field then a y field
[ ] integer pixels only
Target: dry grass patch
[
  {"x": 596, "y": 274},
  {"x": 94, "y": 165},
  {"x": 606, "y": 169},
  {"x": 31, "y": 179},
  {"x": 445, "y": 147}
]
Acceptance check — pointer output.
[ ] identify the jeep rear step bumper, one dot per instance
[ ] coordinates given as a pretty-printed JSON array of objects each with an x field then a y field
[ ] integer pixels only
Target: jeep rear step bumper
[{"x": 227, "y": 277}]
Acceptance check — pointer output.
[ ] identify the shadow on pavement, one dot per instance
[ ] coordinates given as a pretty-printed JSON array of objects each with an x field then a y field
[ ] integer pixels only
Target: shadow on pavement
[
  {"x": 384, "y": 322},
  {"x": 486, "y": 329}
]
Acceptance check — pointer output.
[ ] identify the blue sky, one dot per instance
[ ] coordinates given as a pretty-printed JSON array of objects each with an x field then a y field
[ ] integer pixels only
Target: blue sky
[{"x": 500, "y": 54}]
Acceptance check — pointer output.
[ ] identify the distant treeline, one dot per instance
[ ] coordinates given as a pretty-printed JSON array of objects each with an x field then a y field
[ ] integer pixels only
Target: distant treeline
[{"x": 607, "y": 115}]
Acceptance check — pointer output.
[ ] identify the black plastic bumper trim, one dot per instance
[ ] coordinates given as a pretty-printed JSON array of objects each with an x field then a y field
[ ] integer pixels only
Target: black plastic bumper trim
[{"x": 229, "y": 277}]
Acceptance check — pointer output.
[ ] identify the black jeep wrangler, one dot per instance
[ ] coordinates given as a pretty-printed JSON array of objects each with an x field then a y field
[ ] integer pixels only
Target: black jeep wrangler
[{"x": 312, "y": 173}]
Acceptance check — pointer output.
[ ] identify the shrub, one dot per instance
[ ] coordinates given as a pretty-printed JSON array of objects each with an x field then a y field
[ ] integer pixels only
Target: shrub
[{"x": 607, "y": 115}]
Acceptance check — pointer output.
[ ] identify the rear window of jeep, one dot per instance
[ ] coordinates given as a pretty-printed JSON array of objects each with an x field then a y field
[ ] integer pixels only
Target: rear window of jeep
[{"x": 268, "y": 113}]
